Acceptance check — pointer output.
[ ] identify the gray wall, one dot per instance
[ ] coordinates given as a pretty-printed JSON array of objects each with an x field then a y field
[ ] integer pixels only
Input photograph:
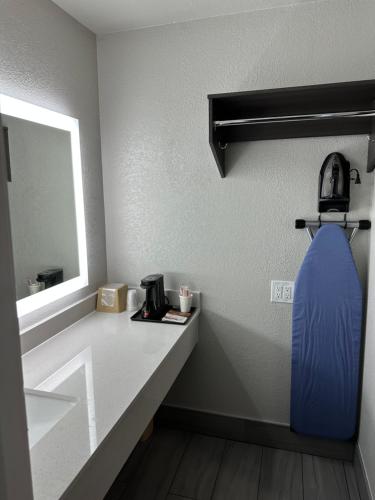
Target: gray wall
[
  {"x": 167, "y": 209},
  {"x": 41, "y": 201},
  {"x": 49, "y": 59},
  {"x": 15, "y": 474},
  {"x": 367, "y": 425}
]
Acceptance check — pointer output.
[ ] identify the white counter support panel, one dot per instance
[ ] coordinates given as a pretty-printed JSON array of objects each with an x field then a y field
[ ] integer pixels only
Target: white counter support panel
[
  {"x": 97, "y": 477},
  {"x": 120, "y": 371}
]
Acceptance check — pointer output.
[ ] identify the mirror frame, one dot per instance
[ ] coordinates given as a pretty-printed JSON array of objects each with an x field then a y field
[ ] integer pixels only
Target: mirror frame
[{"x": 30, "y": 112}]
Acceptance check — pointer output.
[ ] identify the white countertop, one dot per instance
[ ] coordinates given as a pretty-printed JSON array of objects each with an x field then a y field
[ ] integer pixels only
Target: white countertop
[{"x": 106, "y": 361}]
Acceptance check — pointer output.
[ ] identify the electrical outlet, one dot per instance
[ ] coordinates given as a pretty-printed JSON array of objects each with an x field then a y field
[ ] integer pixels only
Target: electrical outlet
[
  {"x": 282, "y": 291},
  {"x": 278, "y": 291},
  {"x": 288, "y": 293}
]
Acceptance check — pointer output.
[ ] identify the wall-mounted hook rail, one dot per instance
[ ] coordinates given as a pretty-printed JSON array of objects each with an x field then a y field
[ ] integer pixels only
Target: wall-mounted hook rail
[
  {"x": 294, "y": 118},
  {"x": 354, "y": 225}
]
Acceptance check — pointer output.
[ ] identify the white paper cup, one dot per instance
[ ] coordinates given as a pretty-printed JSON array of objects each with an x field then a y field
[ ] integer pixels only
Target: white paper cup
[
  {"x": 35, "y": 288},
  {"x": 185, "y": 303},
  {"x": 132, "y": 301}
]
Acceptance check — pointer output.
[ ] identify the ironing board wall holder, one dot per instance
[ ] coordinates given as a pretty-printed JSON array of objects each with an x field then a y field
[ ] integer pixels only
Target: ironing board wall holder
[{"x": 353, "y": 225}]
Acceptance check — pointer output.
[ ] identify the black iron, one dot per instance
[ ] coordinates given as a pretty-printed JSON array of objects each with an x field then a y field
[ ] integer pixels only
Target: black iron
[{"x": 334, "y": 184}]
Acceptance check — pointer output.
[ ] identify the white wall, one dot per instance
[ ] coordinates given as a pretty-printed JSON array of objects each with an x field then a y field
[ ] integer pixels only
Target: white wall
[
  {"x": 367, "y": 424},
  {"x": 48, "y": 59},
  {"x": 167, "y": 209}
]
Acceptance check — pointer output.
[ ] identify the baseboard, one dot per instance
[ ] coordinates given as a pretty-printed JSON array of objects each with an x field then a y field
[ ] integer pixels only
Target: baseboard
[
  {"x": 42, "y": 331},
  {"x": 361, "y": 476},
  {"x": 252, "y": 431}
]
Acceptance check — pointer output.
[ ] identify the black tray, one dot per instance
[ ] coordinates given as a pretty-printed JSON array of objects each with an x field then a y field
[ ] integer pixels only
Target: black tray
[{"x": 158, "y": 318}]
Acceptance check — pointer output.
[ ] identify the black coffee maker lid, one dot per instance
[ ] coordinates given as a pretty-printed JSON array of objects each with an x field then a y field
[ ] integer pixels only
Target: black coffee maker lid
[{"x": 151, "y": 279}]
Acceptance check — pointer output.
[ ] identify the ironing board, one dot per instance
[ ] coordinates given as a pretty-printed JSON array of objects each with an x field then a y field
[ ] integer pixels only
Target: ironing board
[{"x": 326, "y": 343}]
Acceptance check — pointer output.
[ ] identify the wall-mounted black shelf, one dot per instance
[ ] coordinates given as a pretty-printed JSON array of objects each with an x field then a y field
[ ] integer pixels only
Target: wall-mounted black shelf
[{"x": 293, "y": 112}]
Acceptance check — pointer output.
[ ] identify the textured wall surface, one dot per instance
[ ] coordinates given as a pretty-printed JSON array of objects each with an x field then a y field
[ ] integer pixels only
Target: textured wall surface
[
  {"x": 48, "y": 59},
  {"x": 167, "y": 209},
  {"x": 367, "y": 424}
]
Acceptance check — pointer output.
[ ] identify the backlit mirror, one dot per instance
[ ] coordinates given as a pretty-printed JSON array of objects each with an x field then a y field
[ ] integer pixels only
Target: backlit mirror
[{"x": 45, "y": 201}]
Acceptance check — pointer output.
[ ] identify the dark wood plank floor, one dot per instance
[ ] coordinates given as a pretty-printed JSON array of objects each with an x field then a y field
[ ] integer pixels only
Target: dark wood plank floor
[
  {"x": 281, "y": 475},
  {"x": 175, "y": 465}
]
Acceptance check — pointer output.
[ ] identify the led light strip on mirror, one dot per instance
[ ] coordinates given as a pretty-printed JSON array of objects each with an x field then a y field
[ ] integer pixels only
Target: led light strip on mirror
[{"x": 36, "y": 114}]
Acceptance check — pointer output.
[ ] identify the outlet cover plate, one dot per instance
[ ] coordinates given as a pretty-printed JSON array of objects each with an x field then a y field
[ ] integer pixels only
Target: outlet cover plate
[{"x": 282, "y": 291}]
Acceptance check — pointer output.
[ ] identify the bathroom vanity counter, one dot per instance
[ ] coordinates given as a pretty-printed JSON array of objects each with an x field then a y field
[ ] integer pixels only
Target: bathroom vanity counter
[{"x": 116, "y": 372}]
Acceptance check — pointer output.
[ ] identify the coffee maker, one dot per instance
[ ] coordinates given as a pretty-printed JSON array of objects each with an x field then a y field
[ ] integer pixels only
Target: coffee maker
[{"x": 154, "y": 305}]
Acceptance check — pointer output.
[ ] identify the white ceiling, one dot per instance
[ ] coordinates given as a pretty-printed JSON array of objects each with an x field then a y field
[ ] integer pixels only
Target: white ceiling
[{"x": 109, "y": 16}]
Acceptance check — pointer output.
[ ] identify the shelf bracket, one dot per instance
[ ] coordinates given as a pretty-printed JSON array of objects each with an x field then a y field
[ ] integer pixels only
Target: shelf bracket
[{"x": 218, "y": 149}]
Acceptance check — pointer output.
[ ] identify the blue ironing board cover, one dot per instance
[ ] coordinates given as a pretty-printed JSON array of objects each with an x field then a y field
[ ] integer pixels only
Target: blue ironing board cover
[{"x": 326, "y": 345}]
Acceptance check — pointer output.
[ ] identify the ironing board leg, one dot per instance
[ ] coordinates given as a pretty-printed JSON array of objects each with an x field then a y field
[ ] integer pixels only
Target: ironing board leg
[
  {"x": 352, "y": 235},
  {"x": 310, "y": 233}
]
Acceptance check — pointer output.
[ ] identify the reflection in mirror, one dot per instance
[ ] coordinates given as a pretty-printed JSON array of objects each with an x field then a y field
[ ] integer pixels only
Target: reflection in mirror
[
  {"x": 76, "y": 378},
  {"x": 46, "y": 203},
  {"x": 42, "y": 209}
]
